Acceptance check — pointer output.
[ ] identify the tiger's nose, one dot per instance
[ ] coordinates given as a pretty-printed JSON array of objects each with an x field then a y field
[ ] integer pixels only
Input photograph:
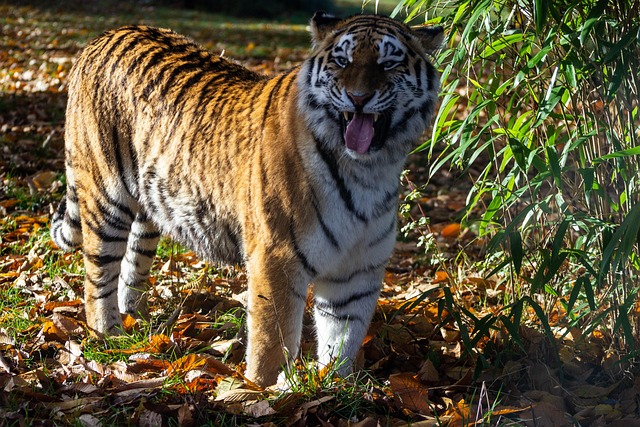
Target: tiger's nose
[{"x": 358, "y": 98}]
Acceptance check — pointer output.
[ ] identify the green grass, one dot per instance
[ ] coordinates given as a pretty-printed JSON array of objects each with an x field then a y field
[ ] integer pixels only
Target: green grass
[
  {"x": 14, "y": 309},
  {"x": 117, "y": 348}
]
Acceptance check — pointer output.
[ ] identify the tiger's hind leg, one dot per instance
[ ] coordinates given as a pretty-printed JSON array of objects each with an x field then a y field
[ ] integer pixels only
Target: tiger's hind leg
[
  {"x": 65, "y": 225},
  {"x": 106, "y": 224},
  {"x": 343, "y": 310},
  {"x": 134, "y": 271}
]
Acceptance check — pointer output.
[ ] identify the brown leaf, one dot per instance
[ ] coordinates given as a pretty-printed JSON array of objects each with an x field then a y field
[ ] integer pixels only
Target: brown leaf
[
  {"x": 185, "y": 416},
  {"x": 441, "y": 277},
  {"x": 52, "y": 332},
  {"x": 141, "y": 384},
  {"x": 451, "y": 231},
  {"x": 67, "y": 325},
  {"x": 159, "y": 343},
  {"x": 428, "y": 372},
  {"x": 82, "y": 404},
  {"x": 150, "y": 419},
  {"x": 52, "y": 305},
  {"x": 198, "y": 361},
  {"x": 259, "y": 409},
  {"x": 43, "y": 180},
  {"x": 411, "y": 392},
  {"x": 543, "y": 414},
  {"x": 129, "y": 323},
  {"x": 88, "y": 420}
]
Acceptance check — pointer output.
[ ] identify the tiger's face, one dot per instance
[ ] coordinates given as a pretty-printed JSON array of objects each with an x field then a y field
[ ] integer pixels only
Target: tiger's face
[{"x": 369, "y": 84}]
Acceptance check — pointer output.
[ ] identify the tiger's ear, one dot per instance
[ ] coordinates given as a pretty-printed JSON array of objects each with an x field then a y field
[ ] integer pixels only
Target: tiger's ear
[
  {"x": 321, "y": 25},
  {"x": 431, "y": 38}
]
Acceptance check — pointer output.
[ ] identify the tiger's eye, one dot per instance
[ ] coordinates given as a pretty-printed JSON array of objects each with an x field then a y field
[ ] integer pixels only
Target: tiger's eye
[
  {"x": 342, "y": 62},
  {"x": 388, "y": 65}
]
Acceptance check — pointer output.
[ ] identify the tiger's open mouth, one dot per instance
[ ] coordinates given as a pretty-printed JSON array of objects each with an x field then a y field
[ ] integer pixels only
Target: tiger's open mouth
[{"x": 364, "y": 132}]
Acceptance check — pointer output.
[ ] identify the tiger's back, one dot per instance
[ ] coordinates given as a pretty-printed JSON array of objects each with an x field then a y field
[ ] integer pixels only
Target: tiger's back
[
  {"x": 169, "y": 99},
  {"x": 296, "y": 176}
]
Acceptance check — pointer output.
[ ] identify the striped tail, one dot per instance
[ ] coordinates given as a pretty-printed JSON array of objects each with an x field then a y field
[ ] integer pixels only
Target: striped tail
[{"x": 65, "y": 230}]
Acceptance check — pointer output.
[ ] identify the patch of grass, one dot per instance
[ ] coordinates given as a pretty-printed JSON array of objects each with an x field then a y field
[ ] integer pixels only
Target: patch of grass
[
  {"x": 14, "y": 309},
  {"x": 23, "y": 198},
  {"x": 230, "y": 322},
  {"x": 116, "y": 348},
  {"x": 168, "y": 248},
  {"x": 352, "y": 396}
]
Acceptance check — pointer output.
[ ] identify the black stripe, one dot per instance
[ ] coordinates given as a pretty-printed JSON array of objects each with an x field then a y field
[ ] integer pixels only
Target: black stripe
[
  {"x": 100, "y": 260},
  {"x": 336, "y": 305},
  {"x": 354, "y": 273},
  {"x": 166, "y": 66},
  {"x": 115, "y": 43},
  {"x": 72, "y": 194},
  {"x": 104, "y": 282},
  {"x": 341, "y": 317},
  {"x": 148, "y": 235},
  {"x": 106, "y": 294},
  {"x": 290, "y": 83},
  {"x": 191, "y": 81},
  {"x": 406, "y": 117},
  {"x": 153, "y": 61},
  {"x": 383, "y": 235},
  {"x": 390, "y": 201},
  {"x": 150, "y": 253},
  {"x": 73, "y": 222},
  {"x": 113, "y": 202},
  {"x": 430, "y": 75},
  {"x": 124, "y": 53},
  {"x": 267, "y": 107},
  {"x": 301, "y": 256},
  {"x": 111, "y": 219},
  {"x": 189, "y": 64},
  {"x": 102, "y": 235},
  {"x": 344, "y": 192},
  {"x": 118, "y": 158},
  {"x": 325, "y": 229},
  {"x": 60, "y": 235}
]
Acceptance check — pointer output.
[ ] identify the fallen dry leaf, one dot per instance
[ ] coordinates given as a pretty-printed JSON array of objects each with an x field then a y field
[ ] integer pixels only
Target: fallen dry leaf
[{"x": 411, "y": 393}]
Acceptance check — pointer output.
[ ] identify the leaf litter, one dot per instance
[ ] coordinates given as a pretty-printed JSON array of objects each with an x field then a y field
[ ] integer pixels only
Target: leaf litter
[{"x": 423, "y": 363}]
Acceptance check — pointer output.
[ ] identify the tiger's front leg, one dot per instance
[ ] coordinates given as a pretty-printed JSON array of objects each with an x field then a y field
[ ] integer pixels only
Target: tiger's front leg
[
  {"x": 342, "y": 312},
  {"x": 276, "y": 303}
]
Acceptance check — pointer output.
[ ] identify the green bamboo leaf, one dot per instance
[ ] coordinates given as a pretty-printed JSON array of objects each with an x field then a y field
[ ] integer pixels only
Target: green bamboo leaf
[
  {"x": 520, "y": 153},
  {"x": 545, "y": 324},
  {"x": 539, "y": 57},
  {"x": 623, "y": 240},
  {"x": 624, "y": 42},
  {"x": 575, "y": 292},
  {"x": 622, "y": 153},
  {"x": 515, "y": 245},
  {"x": 501, "y": 43},
  {"x": 586, "y": 28},
  {"x": 554, "y": 165},
  {"x": 616, "y": 80},
  {"x": 569, "y": 71},
  {"x": 540, "y": 9},
  {"x": 588, "y": 291}
]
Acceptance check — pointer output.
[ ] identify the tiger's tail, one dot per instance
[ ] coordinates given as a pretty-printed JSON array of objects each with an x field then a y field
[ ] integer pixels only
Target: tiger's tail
[{"x": 65, "y": 230}]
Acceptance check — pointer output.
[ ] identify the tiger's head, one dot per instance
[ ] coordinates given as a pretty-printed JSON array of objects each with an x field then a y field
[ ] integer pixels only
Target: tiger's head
[{"x": 368, "y": 85}]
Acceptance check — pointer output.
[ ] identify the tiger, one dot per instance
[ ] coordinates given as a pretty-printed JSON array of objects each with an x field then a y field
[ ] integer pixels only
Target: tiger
[{"x": 294, "y": 176}]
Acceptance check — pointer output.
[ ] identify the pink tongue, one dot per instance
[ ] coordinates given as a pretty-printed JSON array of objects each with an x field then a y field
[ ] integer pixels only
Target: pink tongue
[{"x": 359, "y": 132}]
